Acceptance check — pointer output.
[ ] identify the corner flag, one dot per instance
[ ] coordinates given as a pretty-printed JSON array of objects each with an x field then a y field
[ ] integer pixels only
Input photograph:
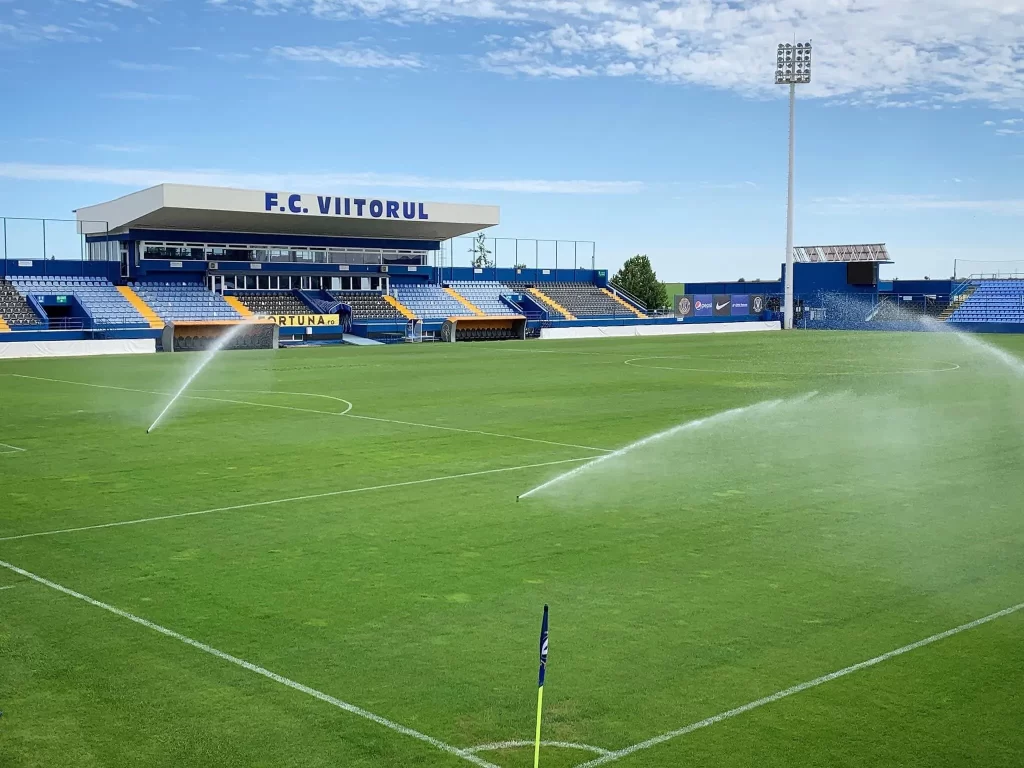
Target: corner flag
[{"x": 540, "y": 682}]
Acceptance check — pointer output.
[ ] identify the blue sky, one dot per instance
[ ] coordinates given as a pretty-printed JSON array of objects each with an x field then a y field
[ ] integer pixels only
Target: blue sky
[{"x": 651, "y": 128}]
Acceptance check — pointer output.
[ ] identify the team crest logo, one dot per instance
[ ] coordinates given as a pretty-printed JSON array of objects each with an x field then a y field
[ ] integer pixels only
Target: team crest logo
[
  {"x": 757, "y": 305},
  {"x": 684, "y": 305}
]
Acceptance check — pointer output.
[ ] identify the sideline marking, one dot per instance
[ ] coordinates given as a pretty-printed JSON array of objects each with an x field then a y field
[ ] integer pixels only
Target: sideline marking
[
  {"x": 803, "y": 374},
  {"x": 271, "y": 502},
  {"x": 518, "y": 744},
  {"x": 11, "y": 449},
  {"x": 620, "y": 753},
  {"x": 352, "y": 708},
  {"x": 313, "y": 410}
]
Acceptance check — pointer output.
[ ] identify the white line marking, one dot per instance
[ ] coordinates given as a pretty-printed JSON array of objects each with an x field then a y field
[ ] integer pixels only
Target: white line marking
[
  {"x": 313, "y": 410},
  {"x": 326, "y": 494},
  {"x": 168, "y": 394},
  {"x": 620, "y": 753},
  {"x": 352, "y": 708},
  {"x": 297, "y": 394},
  {"x": 519, "y": 744},
  {"x": 9, "y": 586},
  {"x": 11, "y": 449},
  {"x": 479, "y": 432}
]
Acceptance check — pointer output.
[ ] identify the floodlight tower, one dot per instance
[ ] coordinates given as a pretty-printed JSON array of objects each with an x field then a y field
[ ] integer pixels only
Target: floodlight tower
[{"x": 792, "y": 68}]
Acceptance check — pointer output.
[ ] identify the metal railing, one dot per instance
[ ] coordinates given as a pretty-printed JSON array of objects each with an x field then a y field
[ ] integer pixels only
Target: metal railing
[
  {"x": 47, "y": 240},
  {"x": 628, "y": 296}
]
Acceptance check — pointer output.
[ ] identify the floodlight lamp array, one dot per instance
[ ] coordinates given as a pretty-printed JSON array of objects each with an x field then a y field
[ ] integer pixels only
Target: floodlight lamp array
[{"x": 793, "y": 64}]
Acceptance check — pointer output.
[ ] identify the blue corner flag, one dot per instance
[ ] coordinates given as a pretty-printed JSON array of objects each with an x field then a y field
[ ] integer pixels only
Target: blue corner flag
[
  {"x": 540, "y": 682},
  {"x": 543, "y": 647}
]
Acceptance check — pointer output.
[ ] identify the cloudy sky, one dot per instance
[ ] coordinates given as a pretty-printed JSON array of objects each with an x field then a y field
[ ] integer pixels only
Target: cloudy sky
[{"x": 650, "y": 127}]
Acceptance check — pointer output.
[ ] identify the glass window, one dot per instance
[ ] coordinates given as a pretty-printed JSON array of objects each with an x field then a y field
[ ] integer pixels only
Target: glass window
[{"x": 263, "y": 282}]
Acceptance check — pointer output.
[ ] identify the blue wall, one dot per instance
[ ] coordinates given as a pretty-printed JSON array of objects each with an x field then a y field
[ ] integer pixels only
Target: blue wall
[
  {"x": 940, "y": 288},
  {"x": 763, "y": 288},
  {"x": 47, "y": 268}
]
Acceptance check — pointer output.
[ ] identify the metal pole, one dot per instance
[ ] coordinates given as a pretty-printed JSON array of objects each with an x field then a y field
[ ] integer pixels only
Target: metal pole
[
  {"x": 5, "y": 246},
  {"x": 788, "y": 316}
]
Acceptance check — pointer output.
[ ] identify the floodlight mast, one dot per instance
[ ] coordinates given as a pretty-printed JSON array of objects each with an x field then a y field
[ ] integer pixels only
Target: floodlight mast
[{"x": 792, "y": 68}]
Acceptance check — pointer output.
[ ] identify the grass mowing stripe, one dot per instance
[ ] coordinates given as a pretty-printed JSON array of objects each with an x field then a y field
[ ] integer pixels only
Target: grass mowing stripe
[
  {"x": 799, "y": 688},
  {"x": 308, "y": 497},
  {"x": 344, "y": 705},
  {"x": 313, "y": 410}
]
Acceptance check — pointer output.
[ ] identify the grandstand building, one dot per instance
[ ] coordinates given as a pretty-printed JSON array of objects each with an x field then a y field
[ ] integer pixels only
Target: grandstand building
[
  {"x": 169, "y": 267},
  {"x": 320, "y": 267}
]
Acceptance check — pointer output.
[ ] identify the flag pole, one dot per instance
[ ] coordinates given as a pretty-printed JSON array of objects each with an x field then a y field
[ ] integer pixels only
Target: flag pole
[
  {"x": 540, "y": 683},
  {"x": 536, "y": 747}
]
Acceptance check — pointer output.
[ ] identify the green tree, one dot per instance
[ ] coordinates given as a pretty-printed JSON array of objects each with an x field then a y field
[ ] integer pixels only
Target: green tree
[
  {"x": 481, "y": 253},
  {"x": 637, "y": 277}
]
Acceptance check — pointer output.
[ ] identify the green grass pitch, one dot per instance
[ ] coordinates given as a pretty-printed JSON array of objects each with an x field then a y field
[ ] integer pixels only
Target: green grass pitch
[{"x": 690, "y": 576}]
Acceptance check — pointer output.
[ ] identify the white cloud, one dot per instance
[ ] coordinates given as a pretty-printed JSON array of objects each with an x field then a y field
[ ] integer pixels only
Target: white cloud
[
  {"x": 144, "y": 177},
  {"x": 728, "y": 185},
  {"x": 124, "y": 148},
  {"x": 146, "y": 96},
  {"x": 1005, "y": 207},
  {"x": 125, "y": 3},
  {"x": 35, "y": 33},
  {"x": 365, "y": 58},
  {"x": 908, "y": 53},
  {"x": 135, "y": 66}
]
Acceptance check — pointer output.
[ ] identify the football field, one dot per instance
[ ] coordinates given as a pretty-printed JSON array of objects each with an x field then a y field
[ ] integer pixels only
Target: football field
[{"x": 318, "y": 557}]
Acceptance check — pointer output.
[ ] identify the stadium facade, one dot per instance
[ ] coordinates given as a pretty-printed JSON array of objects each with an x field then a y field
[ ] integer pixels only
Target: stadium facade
[{"x": 164, "y": 266}]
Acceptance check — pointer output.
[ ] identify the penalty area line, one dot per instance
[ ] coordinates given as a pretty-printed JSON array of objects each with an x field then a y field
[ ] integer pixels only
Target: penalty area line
[
  {"x": 799, "y": 688},
  {"x": 308, "y": 497},
  {"x": 326, "y": 698},
  {"x": 11, "y": 449},
  {"x": 518, "y": 744}
]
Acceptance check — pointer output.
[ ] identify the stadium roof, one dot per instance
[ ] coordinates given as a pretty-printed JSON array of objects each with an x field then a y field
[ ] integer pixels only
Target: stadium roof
[
  {"x": 814, "y": 253},
  {"x": 218, "y": 209}
]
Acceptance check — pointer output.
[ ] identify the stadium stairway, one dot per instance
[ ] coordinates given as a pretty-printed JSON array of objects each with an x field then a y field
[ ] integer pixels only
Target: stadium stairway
[
  {"x": 624, "y": 303},
  {"x": 464, "y": 302},
  {"x": 957, "y": 302},
  {"x": 141, "y": 307},
  {"x": 240, "y": 308},
  {"x": 547, "y": 301},
  {"x": 404, "y": 310},
  {"x": 4, "y": 327}
]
